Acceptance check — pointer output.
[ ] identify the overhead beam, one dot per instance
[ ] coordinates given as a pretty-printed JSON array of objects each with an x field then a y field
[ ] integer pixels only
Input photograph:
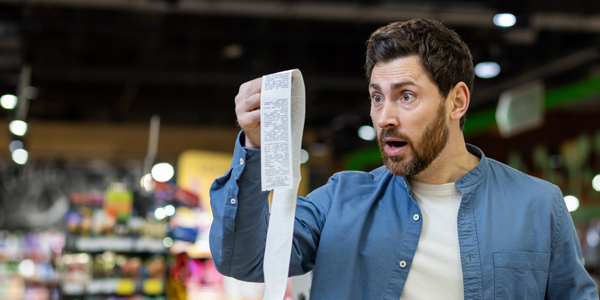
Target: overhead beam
[
  {"x": 185, "y": 78},
  {"x": 471, "y": 16},
  {"x": 293, "y": 10}
]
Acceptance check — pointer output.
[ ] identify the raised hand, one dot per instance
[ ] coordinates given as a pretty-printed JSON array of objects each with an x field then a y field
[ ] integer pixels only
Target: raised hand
[{"x": 247, "y": 110}]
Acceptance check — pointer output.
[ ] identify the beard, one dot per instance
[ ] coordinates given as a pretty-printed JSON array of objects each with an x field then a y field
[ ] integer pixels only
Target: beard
[{"x": 421, "y": 154}]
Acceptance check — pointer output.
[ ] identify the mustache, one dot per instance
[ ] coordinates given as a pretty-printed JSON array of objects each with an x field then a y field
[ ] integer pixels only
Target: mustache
[{"x": 390, "y": 133}]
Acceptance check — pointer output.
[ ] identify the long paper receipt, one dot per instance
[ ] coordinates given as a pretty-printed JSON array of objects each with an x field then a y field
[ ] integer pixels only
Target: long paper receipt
[{"x": 282, "y": 109}]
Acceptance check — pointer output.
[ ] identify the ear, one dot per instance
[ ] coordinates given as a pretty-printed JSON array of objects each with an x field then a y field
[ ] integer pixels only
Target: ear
[{"x": 460, "y": 99}]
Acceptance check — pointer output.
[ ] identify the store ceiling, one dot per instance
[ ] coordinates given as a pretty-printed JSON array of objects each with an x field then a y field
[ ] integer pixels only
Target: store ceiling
[{"x": 122, "y": 61}]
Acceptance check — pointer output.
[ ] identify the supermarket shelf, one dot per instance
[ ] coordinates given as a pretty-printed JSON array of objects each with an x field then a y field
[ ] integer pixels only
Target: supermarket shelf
[
  {"x": 116, "y": 286},
  {"x": 116, "y": 244},
  {"x": 199, "y": 250},
  {"x": 39, "y": 282}
]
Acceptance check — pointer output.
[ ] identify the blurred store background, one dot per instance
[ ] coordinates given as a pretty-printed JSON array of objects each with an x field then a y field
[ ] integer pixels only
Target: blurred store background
[{"x": 98, "y": 94}]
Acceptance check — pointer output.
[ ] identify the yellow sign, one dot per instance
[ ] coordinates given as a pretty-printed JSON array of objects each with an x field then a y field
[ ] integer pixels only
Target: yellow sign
[{"x": 196, "y": 171}]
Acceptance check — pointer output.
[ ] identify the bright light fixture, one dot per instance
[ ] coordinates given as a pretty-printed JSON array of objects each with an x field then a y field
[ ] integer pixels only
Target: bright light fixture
[
  {"x": 20, "y": 156},
  {"x": 162, "y": 172},
  {"x": 160, "y": 213},
  {"x": 147, "y": 183},
  {"x": 367, "y": 133},
  {"x": 505, "y": 20},
  {"x": 572, "y": 203},
  {"x": 18, "y": 127},
  {"x": 14, "y": 145},
  {"x": 8, "y": 101},
  {"x": 592, "y": 237},
  {"x": 170, "y": 210},
  {"x": 487, "y": 69},
  {"x": 596, "y": 183},
  {"x": 303, "y": 156}
]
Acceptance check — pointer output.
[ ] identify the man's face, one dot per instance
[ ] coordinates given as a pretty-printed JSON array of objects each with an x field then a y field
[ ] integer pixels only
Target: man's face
[{"x": 409, "y": 115}]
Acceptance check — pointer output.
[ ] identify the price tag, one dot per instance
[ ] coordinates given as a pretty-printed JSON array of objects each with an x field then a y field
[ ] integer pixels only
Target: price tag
[
  {"x": 126, "y": 287},
  {"x": 153, "y": 286}
]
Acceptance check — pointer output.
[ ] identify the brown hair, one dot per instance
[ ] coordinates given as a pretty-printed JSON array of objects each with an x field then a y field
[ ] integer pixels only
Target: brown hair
[{"x": 444, "y": 56}]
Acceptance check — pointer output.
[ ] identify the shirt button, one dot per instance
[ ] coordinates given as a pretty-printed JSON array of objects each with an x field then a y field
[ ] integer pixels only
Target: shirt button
[
  {"x": 416, "y": 217},
  {"x": 402, "y": 264},
  {"x": 241, "y": 161},
  {"x": 232, "y": 200}
]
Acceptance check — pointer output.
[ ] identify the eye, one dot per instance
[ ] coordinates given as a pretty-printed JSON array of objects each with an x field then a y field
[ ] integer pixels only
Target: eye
[
  {"x": 377, "y": 98},
  {"x": 407, "y": 96}
]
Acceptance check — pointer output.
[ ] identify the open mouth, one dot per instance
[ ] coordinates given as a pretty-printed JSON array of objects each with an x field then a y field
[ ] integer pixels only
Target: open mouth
[{"x": 395, "y": 144}]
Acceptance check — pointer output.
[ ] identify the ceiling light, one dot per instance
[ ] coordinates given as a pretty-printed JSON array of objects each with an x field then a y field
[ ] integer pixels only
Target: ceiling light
[
  {"x": 367, "y": 133},
  {"x": 162, "y": 172},
  {"x": 487, "y": 69},
  {"x": 592, "y": 237},
  {"x": 169, "y": 210},
  {"x": 505, "y": 20},
  {"x": 572, "y": 203},
  {"x": 20, "y": 156},
  {"x": 160, "y": 213},
  {"x": 596, "y": 183},
  {"x": 14, "y": 145},
  {"x": 147, "y": 182},
  {"x": 303, "y": 156},
  {"x": 18, "y": 127},
  {"x": 8, "y": 101}
]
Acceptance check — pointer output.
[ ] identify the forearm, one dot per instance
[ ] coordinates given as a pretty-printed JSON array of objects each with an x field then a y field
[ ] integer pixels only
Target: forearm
[{"x": 240, "y": 211}]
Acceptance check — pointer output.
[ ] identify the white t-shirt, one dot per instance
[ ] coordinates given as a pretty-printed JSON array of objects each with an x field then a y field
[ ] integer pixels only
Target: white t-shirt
[{"x": 436, "y": 271}]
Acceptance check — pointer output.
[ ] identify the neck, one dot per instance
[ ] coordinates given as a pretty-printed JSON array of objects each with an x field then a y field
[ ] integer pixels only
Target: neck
[{"x": 453, "y": 162}]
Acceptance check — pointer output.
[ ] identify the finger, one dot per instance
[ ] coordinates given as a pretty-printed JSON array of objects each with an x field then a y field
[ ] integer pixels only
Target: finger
[
  {"x": 249, "y": 120},
  {"x": 252, "y": 102},
  {"x": 249, "y": 103},
  {"x": 245, "y": 92},
  {"x": 246, "y": 105},
  {"x": 254, "y": 117},
  {"x": 251, "y": 87}
]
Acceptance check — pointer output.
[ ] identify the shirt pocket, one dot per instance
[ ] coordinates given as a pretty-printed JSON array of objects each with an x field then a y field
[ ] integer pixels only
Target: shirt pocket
[{"x": 520, "y": 275}]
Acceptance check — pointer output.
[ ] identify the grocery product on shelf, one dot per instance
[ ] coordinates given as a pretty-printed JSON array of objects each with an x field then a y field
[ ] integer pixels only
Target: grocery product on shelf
[
  {"x": 114, "y": 249},
  {"x": 27, "y": 264}
]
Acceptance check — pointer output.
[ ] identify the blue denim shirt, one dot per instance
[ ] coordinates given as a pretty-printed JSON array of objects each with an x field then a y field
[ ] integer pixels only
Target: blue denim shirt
[{"x": 358, "y": 234}]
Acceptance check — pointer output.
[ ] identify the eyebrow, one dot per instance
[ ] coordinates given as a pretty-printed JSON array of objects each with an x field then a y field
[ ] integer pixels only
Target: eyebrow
[{"x": 393, "y": 86}]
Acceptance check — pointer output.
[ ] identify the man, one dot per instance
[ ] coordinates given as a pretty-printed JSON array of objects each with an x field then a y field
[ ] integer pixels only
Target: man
[{"x": 439, "y": 221}]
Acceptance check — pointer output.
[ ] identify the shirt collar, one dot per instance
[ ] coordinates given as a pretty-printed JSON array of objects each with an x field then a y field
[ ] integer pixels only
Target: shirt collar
[
  {"x": 472, "y": 177},
  {"x": 477, "y": 173}
]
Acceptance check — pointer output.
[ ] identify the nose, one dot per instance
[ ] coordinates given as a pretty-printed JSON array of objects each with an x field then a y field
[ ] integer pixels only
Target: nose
[{"x": 388, "y": 116}]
